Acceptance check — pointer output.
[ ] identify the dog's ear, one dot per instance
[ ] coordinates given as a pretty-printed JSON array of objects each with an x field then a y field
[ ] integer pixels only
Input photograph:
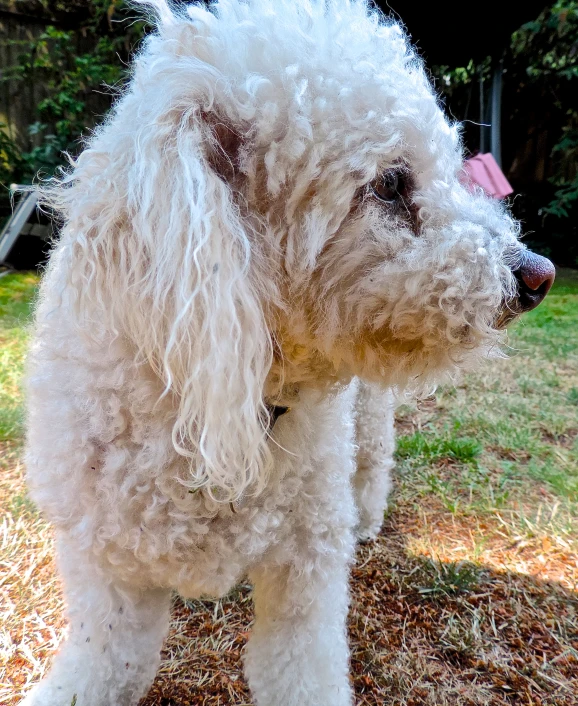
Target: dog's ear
[{"x": 157, "y": 252}]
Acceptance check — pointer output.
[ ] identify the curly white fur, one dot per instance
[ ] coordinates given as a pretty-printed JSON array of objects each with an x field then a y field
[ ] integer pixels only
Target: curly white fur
[{"x": 222, "y": 251}]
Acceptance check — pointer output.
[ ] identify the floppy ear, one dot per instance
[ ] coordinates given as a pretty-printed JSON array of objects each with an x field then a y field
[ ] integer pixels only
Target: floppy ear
[{"x": 156, "y": 248}]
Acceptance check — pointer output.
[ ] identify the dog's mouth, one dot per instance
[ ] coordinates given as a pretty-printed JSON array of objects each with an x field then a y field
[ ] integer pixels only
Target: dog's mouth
[
  {"x": 506, "y": 316},
  {"x": 535, "y": 278}
]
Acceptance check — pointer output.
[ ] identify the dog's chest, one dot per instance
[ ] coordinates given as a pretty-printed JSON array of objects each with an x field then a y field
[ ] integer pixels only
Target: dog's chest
[
  {"x": 153, "y": 527},
  {"x": 120, "y": 489}
]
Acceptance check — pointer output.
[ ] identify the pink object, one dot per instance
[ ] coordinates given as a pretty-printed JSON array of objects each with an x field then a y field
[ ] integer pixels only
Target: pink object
[{"x": 484, "y": 171}]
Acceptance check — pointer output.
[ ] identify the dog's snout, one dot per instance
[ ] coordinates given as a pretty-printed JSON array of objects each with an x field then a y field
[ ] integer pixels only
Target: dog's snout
[{"x": 535, "y": 277}]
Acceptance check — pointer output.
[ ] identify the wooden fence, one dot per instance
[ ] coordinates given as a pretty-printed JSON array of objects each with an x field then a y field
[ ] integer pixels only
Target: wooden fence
[{"x": 18, "y": 100}]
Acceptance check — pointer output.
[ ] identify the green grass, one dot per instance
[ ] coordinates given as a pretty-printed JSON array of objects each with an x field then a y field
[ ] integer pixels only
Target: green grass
[
  {"x": 449, "y": 578},
  {"x": 17, "y": 292},
  {"x": 432, "y": 447},
  {"x": 506, "y": 438}
]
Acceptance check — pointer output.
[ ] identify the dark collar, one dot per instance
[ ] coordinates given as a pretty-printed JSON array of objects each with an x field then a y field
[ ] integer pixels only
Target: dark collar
[{"x": 275, "y": 411}]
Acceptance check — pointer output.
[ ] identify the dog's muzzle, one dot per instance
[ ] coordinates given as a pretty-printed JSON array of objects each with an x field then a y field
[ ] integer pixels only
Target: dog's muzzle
[{"x": 535, "y": 277}]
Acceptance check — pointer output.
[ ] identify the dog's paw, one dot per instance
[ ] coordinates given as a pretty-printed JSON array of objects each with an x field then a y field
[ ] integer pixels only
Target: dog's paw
[
  {"x": 366, "y": 533},
  {"x": 56, "y": 692},
  {"x": 44, "y": 694}
]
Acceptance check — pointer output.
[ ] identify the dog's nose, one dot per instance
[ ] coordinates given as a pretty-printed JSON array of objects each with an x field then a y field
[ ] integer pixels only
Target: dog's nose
[{"x": 535, "y": 277}]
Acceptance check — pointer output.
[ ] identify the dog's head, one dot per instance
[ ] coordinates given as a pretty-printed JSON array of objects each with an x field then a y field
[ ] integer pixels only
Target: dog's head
[{"x": 276, "y": 199}]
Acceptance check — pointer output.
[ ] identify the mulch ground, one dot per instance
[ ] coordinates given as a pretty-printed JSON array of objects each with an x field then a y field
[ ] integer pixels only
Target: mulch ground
[{"x": 417, "y": 639}]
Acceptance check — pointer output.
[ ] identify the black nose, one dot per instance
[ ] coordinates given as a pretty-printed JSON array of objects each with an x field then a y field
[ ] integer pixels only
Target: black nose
[{"x": 535, "y": 277}]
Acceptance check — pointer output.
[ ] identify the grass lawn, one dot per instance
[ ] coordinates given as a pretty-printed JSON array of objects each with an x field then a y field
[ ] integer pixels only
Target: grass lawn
[
  {"x": 16, "y": 295},
  {"x": 469, "y": 597}
]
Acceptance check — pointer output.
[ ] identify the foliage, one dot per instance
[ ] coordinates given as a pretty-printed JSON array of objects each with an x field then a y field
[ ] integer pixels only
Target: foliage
[
  {"x": 11, "y": 159},
  {"x": 548, "y": 51},
  {"x": 566, "y": 195},
  {"x": 81, "y": 60},
  {"x": 79, "y": 69},
  {"x": 539, "y": 123}
]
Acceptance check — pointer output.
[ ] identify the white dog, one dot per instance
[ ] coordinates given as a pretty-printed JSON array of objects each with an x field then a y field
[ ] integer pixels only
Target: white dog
[{"x": 272, "y": 209}]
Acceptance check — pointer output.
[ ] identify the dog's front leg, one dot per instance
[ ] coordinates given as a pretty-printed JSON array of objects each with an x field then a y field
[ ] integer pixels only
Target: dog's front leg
[
  {"x": 376, "y": 444},
  {"x": 116, "y": 632},
  {"x": 297, "y": 654}
]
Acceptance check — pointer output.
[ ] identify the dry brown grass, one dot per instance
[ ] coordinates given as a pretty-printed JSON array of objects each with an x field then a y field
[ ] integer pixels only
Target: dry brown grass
[
  {"x": 427, "y": 626},
  {"x": 31, "y": 613}
]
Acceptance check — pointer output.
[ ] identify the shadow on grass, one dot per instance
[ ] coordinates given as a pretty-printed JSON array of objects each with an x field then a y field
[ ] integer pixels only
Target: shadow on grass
[
  {"x": 422, "y": 632},
  {"x": 436, "y": 632}
]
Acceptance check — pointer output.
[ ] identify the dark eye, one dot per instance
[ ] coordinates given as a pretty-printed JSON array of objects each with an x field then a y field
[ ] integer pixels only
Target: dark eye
[{"x": 387, "y": 186}]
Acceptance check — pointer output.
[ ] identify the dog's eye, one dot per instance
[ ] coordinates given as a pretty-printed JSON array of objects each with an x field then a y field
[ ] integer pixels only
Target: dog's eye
[{"x": 388, "y": 186}]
